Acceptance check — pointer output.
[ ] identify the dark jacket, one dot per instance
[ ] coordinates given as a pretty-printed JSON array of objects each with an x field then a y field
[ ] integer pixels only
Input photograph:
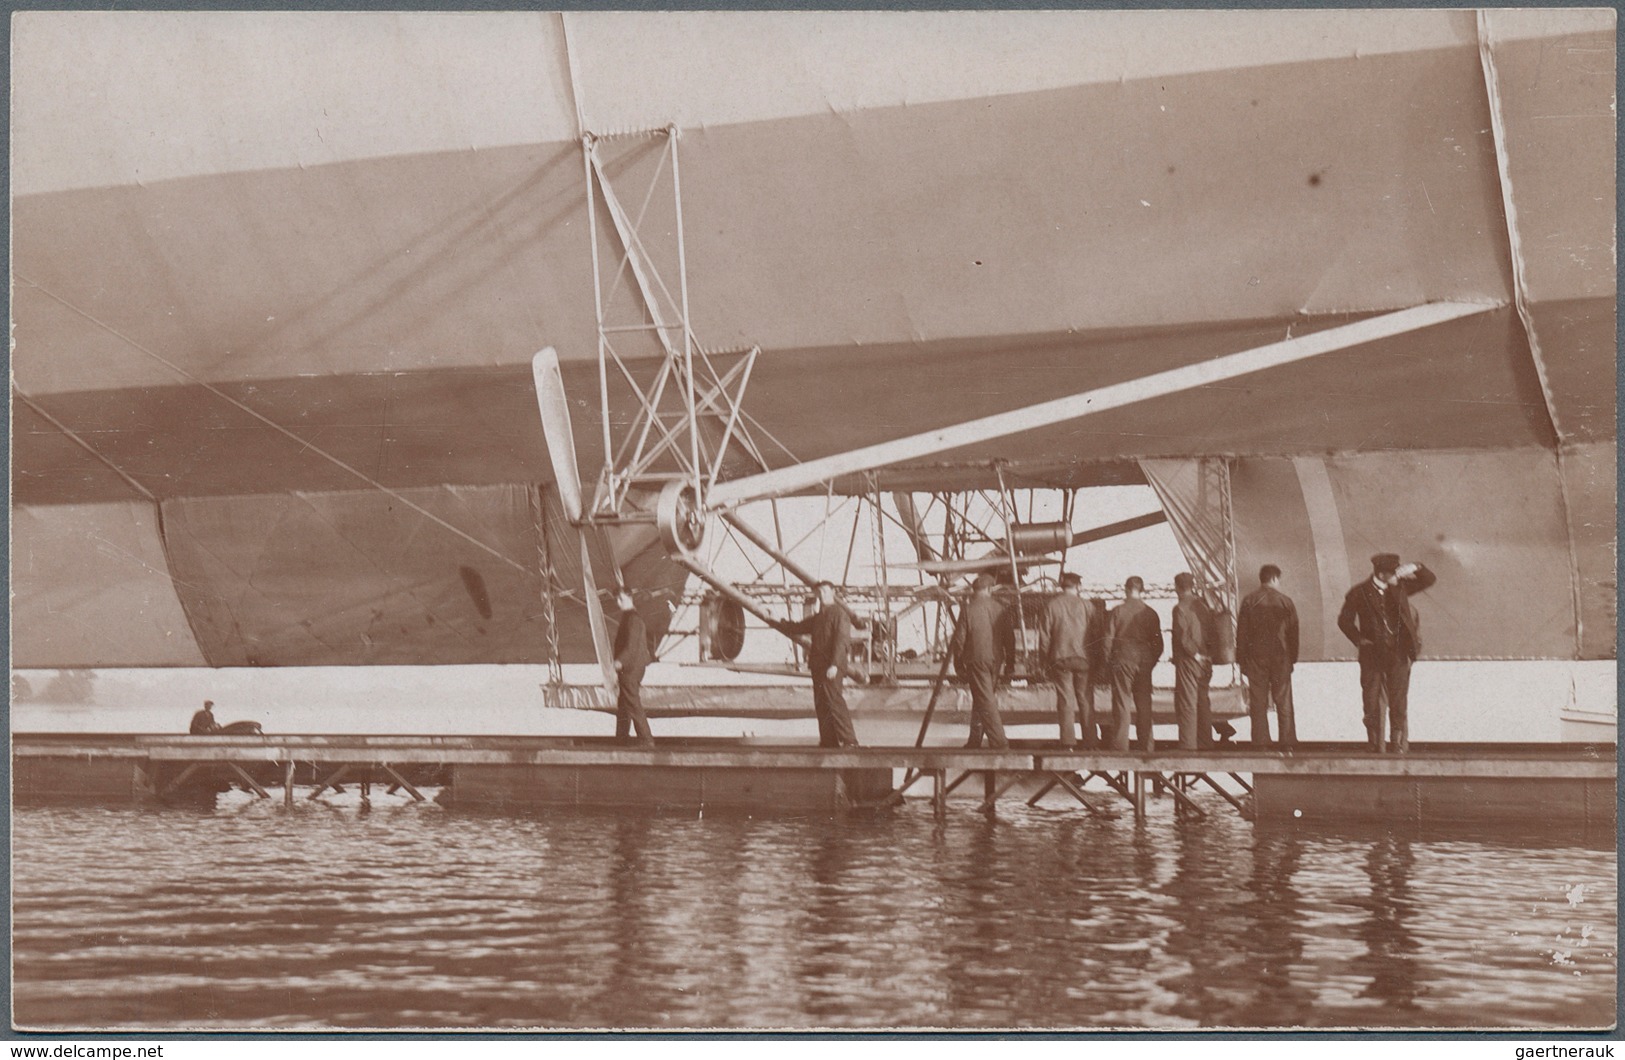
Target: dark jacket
[
  {"x": 831, "y": 631},
  {"x": 1192, "y": 623},
  {"x": 632, "y": 643},
  {"x": 983, "y": 637},
  {"x": 1267, "y": 629},
  {"x": 203, "y": 724},
  {"x": 1134, "y": 631},
  {"x": 1385, "y": 621},
  {"x": 1067, "y": 629}
]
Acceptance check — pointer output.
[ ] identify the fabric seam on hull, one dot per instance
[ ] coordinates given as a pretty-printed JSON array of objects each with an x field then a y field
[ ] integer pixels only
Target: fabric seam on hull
[
  {"x": 1520, "y": 298},
  {"x": 1326, "y": 533},
  {"x": 86, "y": 446},
  {"x": 169, "y": 561},
  {"x": 324, "y": 454}
]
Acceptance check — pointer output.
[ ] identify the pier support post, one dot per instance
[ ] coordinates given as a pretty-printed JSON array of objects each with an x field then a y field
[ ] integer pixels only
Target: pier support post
[
  {"x": 287, "y": 784},
  {"x": 1139, "y": 796},
  {"x": 939, "y": 793}
]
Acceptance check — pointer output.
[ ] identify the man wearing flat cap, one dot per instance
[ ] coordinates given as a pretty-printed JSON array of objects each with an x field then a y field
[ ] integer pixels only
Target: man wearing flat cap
[{"x": 1379, "y": 619}]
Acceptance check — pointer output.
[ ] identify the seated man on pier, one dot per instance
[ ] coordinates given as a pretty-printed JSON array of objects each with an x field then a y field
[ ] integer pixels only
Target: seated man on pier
[
  {"x": 203, "y": 723},
  {"x": 831, "y": 631}
]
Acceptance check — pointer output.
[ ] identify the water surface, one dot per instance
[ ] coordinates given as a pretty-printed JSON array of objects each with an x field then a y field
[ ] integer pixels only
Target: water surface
[{"x": 334, "y": 916}]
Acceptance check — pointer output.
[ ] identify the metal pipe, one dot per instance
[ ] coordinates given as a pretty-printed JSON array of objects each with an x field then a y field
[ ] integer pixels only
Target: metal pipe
[
  {"x": 1117, "y": 395},
  {"x": 749, "y": 534},
  {"x": 1007, "y": 501}
]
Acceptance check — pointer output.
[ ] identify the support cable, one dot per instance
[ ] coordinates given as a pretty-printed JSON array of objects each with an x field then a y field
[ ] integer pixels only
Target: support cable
[{"x": 261, "y": 417}]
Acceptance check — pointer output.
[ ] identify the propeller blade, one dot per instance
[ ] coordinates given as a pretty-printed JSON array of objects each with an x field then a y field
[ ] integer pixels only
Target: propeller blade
[
  {"x": 561, "y": 442},
  {"x": 561, "y": 449},
  {"x": 595, "y": 616}
]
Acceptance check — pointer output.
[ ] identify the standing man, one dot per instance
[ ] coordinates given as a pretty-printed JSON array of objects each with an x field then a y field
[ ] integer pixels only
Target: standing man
[
  {"x": 1193, "y": 666},
  {"x": 1378, "y": 618},
  {"x": 632, "y": 657},
  {"x": 831, "y": 631},
  {"x": 1064, "y": 636},
  {"x": 1133, "y": 646},
  {"x": 979, "y": 645},
  {"x": 1266, "y": 651}
]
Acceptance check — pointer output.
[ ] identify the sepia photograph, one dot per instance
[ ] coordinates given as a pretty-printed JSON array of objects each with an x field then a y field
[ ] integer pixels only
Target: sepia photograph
[{"x": 813, "y": 521}]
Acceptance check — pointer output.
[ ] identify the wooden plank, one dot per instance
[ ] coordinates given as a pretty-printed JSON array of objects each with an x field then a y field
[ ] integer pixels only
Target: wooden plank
[
  {"x": 1549, "y": 761},
  {"x": 1043, "y": 790},
  {"x": 180, "y": 778},
  {"x": 994, "y": 790},
  {"x": 403, "y": 782},
  {"x": 1077, "y": 793},
  {"x": 1171, "y": 786},
  {"x": 332, "y": 781},
  {"x": 250, "y": 781},
  {"x": 1231, "y": 799}
]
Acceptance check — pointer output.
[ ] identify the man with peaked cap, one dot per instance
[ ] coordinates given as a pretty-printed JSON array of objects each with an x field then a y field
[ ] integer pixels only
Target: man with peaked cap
[
  {"x": 831, "y": 632},
  {"x": 632, "y": 657},
  {"x": 1266, "y": 652},
  {"x": 980, "y": 646},
  {"x": 1384, "y": 627},
  {"x": 1133, "y": 646},
  {"x": 1065, "y": 633}
]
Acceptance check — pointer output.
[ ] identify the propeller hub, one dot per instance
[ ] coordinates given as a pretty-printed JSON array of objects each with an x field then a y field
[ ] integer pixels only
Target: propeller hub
[{"x": 681, "y": 519}]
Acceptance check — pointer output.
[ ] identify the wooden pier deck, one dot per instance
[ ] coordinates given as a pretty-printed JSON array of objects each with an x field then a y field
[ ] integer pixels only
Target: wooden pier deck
[{"x": 1527, "y": 782}]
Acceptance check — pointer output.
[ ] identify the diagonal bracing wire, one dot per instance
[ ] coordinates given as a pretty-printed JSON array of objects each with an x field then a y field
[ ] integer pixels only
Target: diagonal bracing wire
[{"x": 279, "y": 428}]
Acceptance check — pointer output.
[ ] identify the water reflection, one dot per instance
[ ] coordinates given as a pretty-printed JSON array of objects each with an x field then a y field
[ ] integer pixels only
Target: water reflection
[
  {"x": 413, "y": 916},
  {"x": 1391, "y": 949},
  {"x": 1274, "y": 912}
]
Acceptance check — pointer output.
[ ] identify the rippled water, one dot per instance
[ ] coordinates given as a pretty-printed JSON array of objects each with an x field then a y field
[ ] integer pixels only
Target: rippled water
[{"x": 409, "y": 916}]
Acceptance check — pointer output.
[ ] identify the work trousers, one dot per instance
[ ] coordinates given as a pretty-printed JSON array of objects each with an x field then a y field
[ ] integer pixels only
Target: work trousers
[
  {"x": 834, "y": 720},
  {"x": 1192, "y": 707},
  {"x": 984, "y": 707},
  {"x": 1075, "y": 701},
  {"x": 629, "y": 714},
  {"x": 1131, "y": 683},
  {"x": 1385, "y": 682},
  {"x": 1271, "y": 683}
]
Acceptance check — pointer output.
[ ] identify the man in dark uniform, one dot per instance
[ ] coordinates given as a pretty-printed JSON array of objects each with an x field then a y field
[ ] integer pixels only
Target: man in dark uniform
[
  {"x": 1193, "y": 666},
  {"x": 1379, "y": 619},
  {"x": 1064, "y": 636},
  {"x": 203, "y": 723},
  {"x": 1266, "y": 651},
  {"x": 979, "y": 645},
  {"x": 1133, "y": 646},
  {"x": 632, "y": 657},
  {"x": 831, "y": 631}
]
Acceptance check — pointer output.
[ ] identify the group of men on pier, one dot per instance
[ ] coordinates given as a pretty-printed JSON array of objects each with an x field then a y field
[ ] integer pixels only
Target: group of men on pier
[{"x": 1082, "y": 647}]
